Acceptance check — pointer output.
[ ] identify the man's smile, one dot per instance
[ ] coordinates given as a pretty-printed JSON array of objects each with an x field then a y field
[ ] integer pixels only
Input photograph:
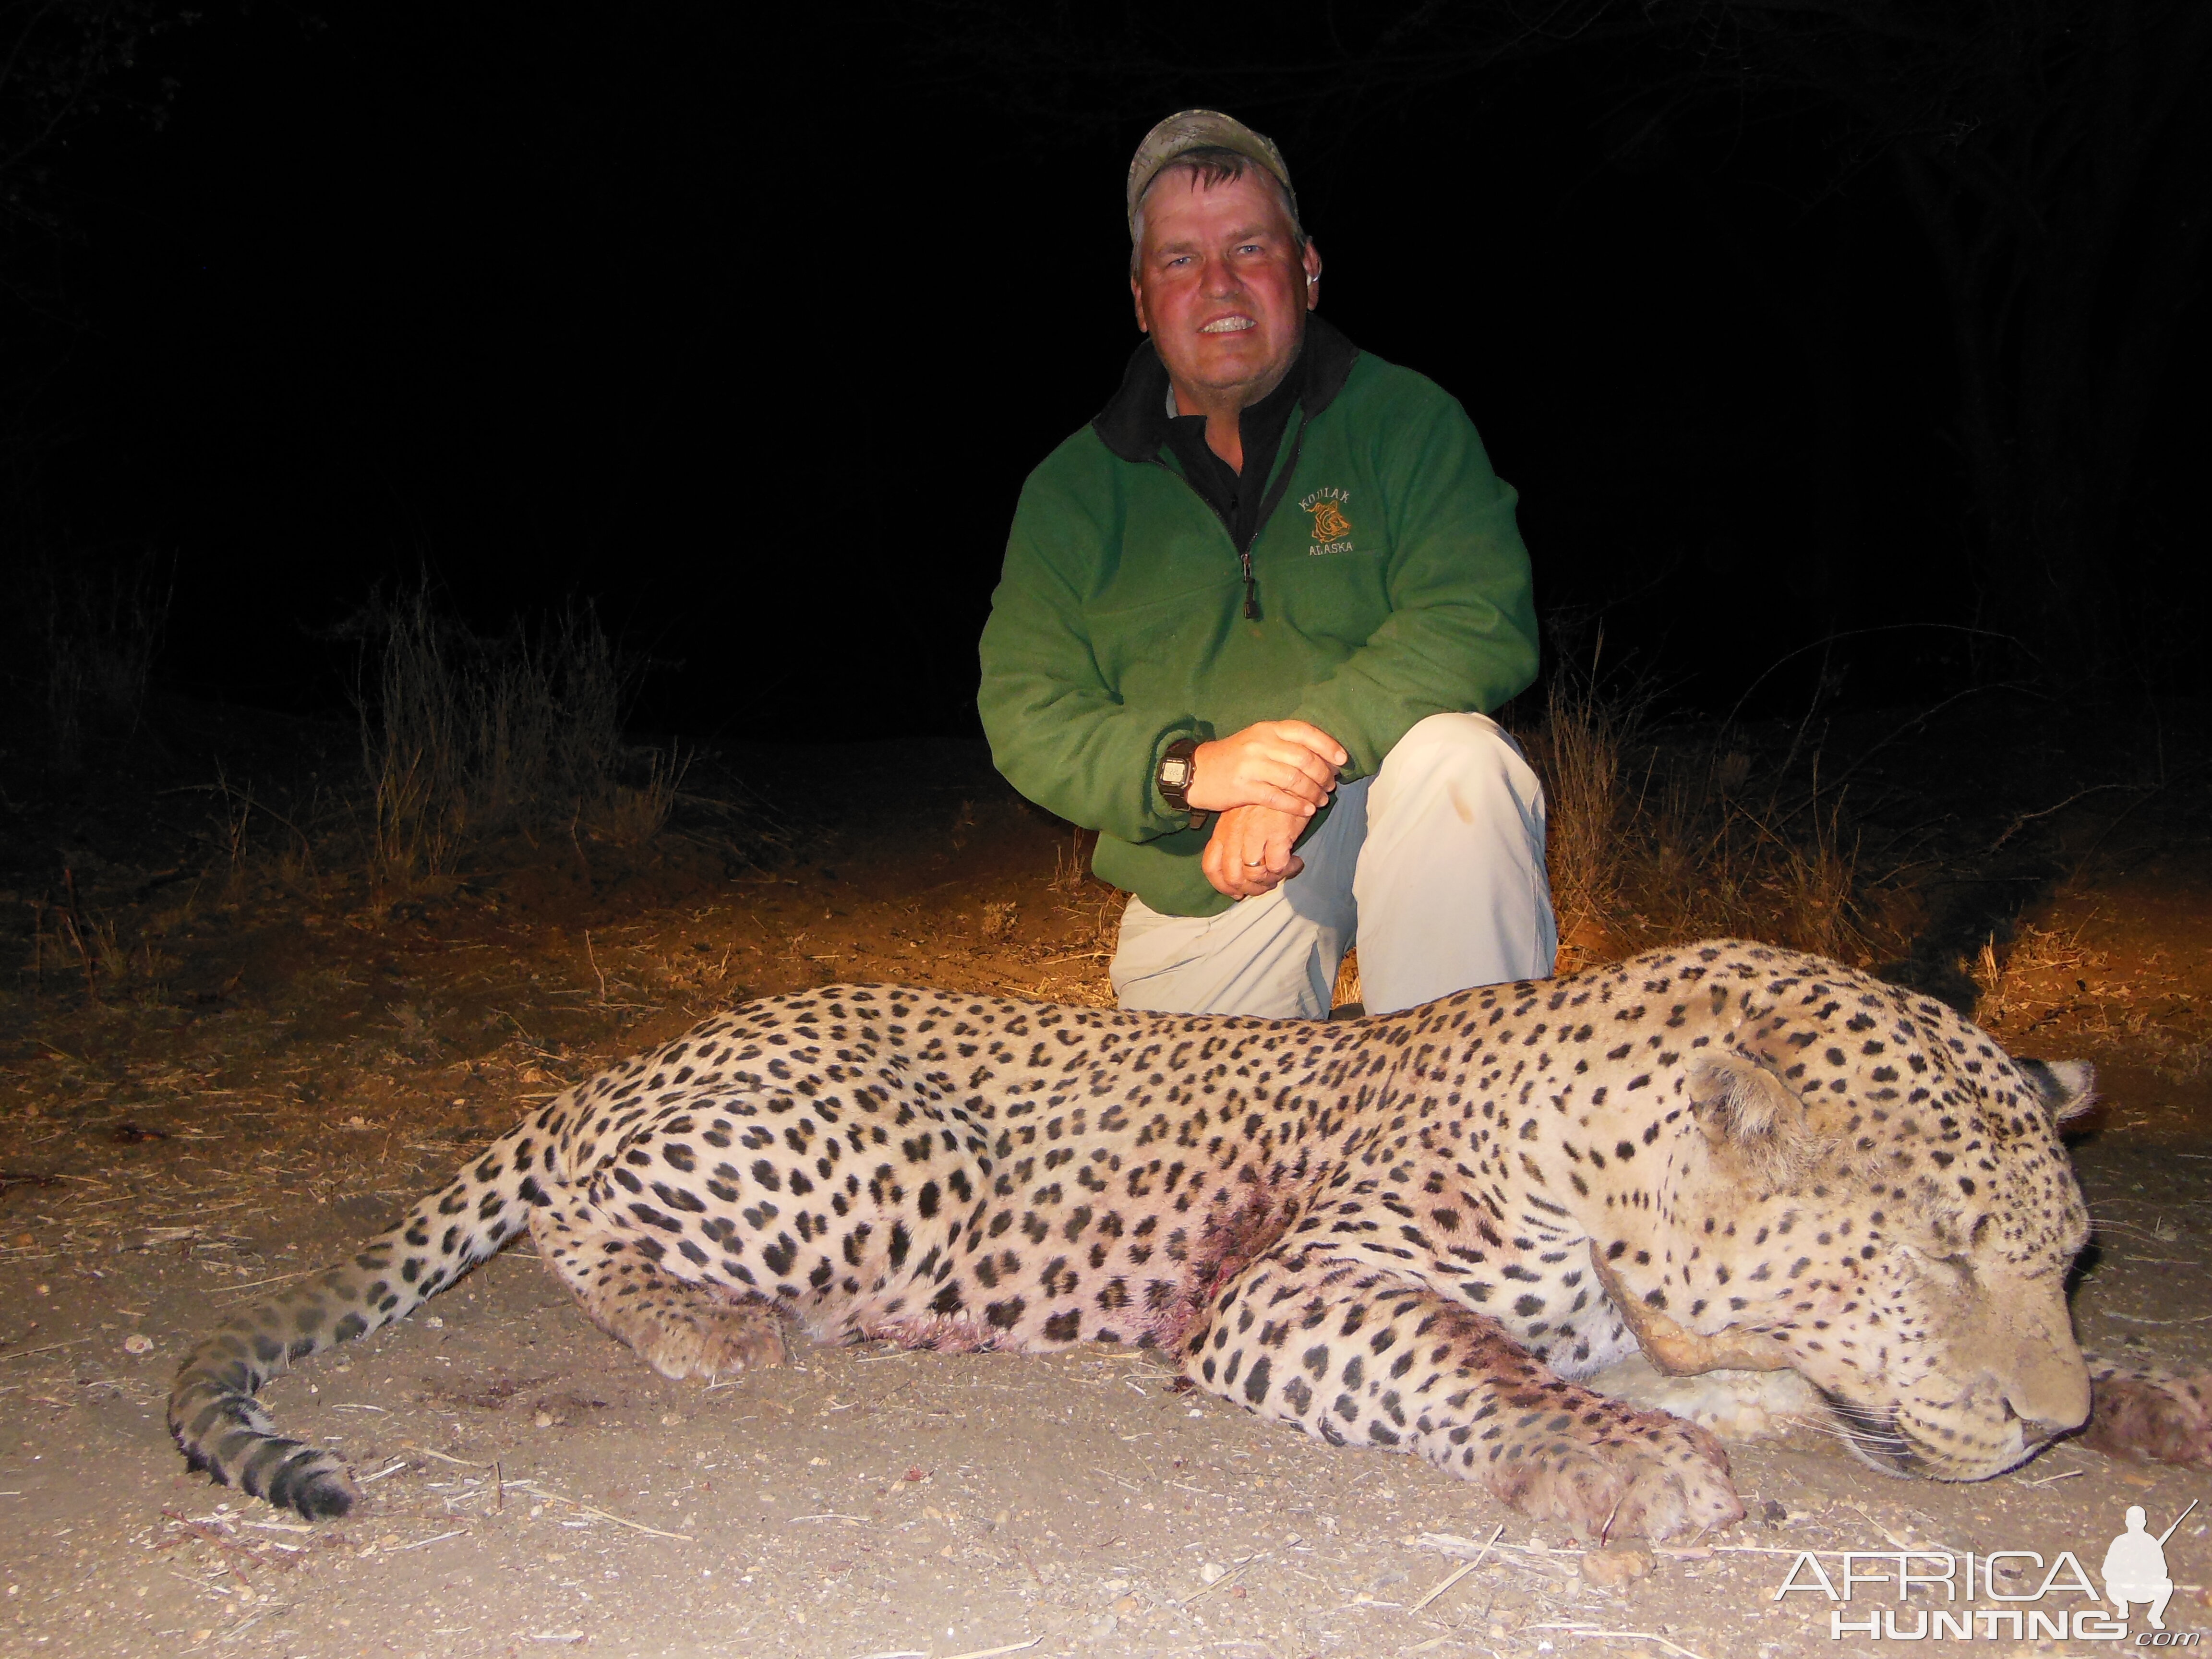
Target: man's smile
[{"x": 1230, "y": 325}]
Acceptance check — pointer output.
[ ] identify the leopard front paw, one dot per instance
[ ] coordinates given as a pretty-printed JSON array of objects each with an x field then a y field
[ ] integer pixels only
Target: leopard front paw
[
  {"x": 2149, "y": 1415},
  {"x": 693, "y": 1333},
  {"x": 1647, "y": 1475},
  {"x": 710, "y": 1342}
]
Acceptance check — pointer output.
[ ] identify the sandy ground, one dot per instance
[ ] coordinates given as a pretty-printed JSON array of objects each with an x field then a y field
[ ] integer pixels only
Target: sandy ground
[{"x": 289, "y": 1076}]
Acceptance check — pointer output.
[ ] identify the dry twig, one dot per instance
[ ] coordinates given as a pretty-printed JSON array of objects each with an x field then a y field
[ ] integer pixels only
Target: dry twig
[
  {"x": 536, "y": 1491},
  {"x": 1458, "y": 1572}
]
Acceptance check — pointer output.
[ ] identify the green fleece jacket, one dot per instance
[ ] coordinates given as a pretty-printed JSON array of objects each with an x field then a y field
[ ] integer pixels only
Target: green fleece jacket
[{"x": 1390, "y": 580}]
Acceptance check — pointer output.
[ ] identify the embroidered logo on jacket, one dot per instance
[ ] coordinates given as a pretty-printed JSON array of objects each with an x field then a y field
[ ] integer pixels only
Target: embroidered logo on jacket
[{"x": 1332, "y": 530}]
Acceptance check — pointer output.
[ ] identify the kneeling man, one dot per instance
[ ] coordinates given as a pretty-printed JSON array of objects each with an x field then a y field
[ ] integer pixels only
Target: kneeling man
[{"x": 1251, "y": 623}]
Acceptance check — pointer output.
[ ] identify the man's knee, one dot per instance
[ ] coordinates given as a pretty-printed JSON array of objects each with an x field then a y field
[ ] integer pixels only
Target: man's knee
[{"x": 1466, "y": 760}]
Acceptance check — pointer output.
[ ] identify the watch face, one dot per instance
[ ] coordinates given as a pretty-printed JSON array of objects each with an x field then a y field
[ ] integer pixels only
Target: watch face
[{"x": 1175, "y": 771}]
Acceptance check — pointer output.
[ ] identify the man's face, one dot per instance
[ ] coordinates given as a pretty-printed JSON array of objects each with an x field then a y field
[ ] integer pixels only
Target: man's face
[{"x": 1221, "y": 284}]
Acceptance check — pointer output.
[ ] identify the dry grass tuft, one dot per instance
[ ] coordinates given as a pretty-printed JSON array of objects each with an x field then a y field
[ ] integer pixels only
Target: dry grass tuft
[
  {"x": 465, "y": 737},
  {"x": 1656, "y": 839},
  {"x": 1347, "y": 994},
  {"x": 630, "y": 816},
  {"x": 74, "y": 942},
  {"x": 2022, "y": 976},
  {"x": 1582, "y": 743}
]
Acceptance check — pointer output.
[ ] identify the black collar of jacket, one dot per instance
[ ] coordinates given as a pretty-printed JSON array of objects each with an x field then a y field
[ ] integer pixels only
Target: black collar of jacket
[{"x": 1135, "y": 423}]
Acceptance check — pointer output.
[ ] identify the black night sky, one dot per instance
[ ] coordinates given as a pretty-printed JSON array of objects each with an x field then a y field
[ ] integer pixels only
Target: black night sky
[{"x": 749, "y": 330}]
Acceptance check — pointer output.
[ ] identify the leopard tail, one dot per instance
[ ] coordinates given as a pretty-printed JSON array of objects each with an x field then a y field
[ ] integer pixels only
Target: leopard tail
[{"x": 219, "y": 1425}]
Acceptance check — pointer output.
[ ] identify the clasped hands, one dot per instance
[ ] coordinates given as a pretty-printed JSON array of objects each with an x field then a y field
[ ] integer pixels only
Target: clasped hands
[{"x": 1265, "y": 782}]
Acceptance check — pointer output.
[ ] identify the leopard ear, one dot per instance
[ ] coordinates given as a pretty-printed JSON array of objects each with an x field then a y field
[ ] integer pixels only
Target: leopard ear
[
  {"x": 1754, "y": 1122},
  {"x": 2068, "y": 1088}
]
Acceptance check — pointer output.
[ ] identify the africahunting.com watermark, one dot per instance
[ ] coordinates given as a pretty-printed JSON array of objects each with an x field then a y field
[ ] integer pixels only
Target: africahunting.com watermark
[{"x": 2035, "y": 1599}]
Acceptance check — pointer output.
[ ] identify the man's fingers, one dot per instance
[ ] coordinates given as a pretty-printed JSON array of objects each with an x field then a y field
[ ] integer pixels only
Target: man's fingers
[
  {"x": 1300, "y": 758},
  {"x": 1259, "y": 879},
  {"x": 1272, "y": 764},
  {"x": 1249, "y": 852},
  {"x": 1309, "y": 767},
  {"x": 1314, "y": 739},
  {"x": 1223, "y": 861},
  {"x": 1297, "y": 772}
]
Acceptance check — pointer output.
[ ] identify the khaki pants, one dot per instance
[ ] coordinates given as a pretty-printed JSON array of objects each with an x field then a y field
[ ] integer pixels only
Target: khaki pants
[{"x": 1434, "y": 866}]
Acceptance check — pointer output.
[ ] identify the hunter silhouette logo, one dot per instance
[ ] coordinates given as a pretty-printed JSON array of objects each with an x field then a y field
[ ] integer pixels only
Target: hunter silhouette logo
[
  {"x": 1329, "y": 522},
  {"x": 2135, "y": 1568}
]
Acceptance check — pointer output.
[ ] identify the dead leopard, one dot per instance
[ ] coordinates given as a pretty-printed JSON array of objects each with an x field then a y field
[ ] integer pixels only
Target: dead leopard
[{"x": 1414, "y": 1232}]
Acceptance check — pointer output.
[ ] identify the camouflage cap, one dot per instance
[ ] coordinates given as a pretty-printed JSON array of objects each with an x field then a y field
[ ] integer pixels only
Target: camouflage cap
[{"x": 1201, "y": 129}]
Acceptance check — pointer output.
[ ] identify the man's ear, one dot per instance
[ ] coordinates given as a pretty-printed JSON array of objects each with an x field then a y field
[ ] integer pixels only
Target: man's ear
[
  {"x": 1753, "y": 1121},
  {"x": 2067, "y": 1088},
  {"x": 1137, "y": 299}
]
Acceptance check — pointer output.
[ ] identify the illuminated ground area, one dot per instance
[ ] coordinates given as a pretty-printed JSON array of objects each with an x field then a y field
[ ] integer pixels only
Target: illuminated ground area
[{"x": 293, "y": 1058}]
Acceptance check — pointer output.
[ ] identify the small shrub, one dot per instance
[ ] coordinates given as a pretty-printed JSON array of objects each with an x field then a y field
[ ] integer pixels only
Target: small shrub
[{"x": 465, "y": 737}]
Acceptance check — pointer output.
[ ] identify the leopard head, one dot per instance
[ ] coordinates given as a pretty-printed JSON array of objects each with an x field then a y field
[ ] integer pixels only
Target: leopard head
[{"x": 1896, "y": 1225}]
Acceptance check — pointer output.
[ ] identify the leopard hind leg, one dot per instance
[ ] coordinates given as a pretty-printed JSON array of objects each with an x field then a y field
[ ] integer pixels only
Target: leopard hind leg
[{"x": 679, "y": 1327}]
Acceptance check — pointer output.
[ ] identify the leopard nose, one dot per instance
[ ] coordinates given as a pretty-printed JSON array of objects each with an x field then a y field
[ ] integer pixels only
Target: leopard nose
[
  {"x": 2034, "y": 1431},
  {"x": 2048, "y": 1389}
]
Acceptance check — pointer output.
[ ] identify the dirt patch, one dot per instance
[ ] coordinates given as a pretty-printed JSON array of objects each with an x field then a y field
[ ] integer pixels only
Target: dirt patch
[{"x": 296, "y": 1073}]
